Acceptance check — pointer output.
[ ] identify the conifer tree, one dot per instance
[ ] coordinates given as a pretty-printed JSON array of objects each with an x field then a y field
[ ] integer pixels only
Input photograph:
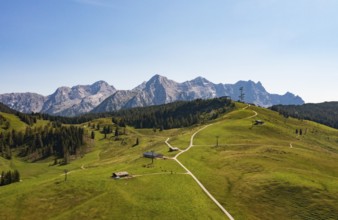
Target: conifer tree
[
  {"x": 117, "y": 131},
  {"x": 15, "y": 176},
  {"x": 2, "y": 180}
]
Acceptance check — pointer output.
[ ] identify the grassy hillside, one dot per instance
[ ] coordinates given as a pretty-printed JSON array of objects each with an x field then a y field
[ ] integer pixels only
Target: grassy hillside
[
  {"x": 158, "y": 191},
  {"x": 18, "y": 125},
  {"x": 267, "y": 171},
  {"x": 14, "y": 122},
  {"x": 256, "y": 172}
]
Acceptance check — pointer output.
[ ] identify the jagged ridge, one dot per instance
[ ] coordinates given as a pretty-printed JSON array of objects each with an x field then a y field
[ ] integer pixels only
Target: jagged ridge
[
  {"x": 160, "y": 90},
  {"x": 101, "y": 97}
]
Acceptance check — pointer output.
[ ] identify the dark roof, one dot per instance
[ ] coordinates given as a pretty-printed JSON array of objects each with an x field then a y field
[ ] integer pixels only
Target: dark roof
[
  {"x": 152, "y": 154},
  {"x": 257, "y": 122}
]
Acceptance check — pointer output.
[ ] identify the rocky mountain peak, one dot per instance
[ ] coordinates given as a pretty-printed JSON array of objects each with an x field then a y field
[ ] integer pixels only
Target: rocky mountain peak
[
  {"x": 288, "y": 94},
  {"x": 140, "y": 87},
  {"x": 23, "y": 102},
  {"x": 101, "y": 86},
  {"x": 157, "y": 80},
  {"x": 62, "y": 90},
  {"x": 160, "y": 84},
  {"x": 100, "y": 96},
  {"x": 79, "y": 99},
  {"x": 200, "y": 81}
]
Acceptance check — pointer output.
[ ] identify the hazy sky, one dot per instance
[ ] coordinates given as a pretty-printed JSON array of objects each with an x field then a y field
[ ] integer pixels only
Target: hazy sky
[{"x": 288, "y": 45}]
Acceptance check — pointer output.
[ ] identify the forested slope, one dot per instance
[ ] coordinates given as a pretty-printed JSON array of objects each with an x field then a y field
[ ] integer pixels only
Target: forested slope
[{"x": 325, "y": 113}]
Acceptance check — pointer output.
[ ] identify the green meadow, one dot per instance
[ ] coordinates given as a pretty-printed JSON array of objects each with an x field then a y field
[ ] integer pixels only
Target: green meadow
[
  {"x": 267, "y": 171},
  {"x": 255, "y": 171},
  {"x": 15, "y": 122}
]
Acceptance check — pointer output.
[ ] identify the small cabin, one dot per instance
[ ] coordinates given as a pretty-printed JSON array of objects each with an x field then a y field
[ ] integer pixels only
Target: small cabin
[
  {"x": 152, "y": 155},
  {"x": 259, "y": 122},
  {"x": 171, "y": 149},
  {"x": 122, "y": 174}
]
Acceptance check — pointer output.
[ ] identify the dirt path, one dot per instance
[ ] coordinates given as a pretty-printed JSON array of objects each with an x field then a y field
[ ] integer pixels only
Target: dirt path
[
  {"x": 171, "y": 147},
  {"x": 191, "y": 142},
  {"x": 194, "y": 177},
  {"x": 255, "y": 114}
]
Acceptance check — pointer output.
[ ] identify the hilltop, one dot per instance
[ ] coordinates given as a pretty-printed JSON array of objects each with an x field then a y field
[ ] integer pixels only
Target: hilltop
[{"x": 254, "y": 170}]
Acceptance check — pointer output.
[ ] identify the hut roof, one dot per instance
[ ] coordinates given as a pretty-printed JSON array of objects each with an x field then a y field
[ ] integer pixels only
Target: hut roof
[
  {"x": 152, "y": 154},
  {"x": 120, "y": 174}
]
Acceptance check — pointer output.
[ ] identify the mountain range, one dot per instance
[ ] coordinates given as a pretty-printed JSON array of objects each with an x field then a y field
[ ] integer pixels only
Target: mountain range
[{"x": 102, "y": 97}]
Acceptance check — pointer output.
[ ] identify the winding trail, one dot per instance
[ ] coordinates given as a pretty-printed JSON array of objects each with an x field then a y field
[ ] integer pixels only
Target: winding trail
[
  {"x": 194, "y": 177},
  {"x": 171, "y": 147},
  {"x": 252, "y": 115},
  {"x": 255, "y": 113}
]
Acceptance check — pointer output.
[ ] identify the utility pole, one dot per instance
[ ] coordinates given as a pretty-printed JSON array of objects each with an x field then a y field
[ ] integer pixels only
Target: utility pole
[
  {"x": 217, "y": 141},
  {"x": 66, "y": 172},
  {"x": 242, "y": 95}
]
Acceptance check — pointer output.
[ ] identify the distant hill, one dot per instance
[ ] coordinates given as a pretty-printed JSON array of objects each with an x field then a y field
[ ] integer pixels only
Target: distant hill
[
  {"x": 324, "y": 113},
  {"x": 102, "y": 97}
]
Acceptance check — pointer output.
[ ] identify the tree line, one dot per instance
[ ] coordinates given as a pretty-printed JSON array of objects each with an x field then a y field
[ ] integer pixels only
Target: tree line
[
  {"x": 325, "y": 113},
  {"x": 42, "y": 142},
  {"x": 174, "y": 115}
]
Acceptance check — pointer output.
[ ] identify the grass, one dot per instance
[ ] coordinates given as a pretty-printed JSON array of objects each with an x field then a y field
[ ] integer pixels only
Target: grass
[
  {"x": 253, "y": 173},
  {"x": 15, "y": 122},
  {"x": 91, "y": 194},
  {"x": 256, "y": 175},
  {"x": 159, "y": 190},
  {"x": 41, "y": 123}
]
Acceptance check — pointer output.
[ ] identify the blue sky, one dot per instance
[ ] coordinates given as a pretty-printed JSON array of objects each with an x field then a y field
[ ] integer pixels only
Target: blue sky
[{"x": 289, "y": 45}]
